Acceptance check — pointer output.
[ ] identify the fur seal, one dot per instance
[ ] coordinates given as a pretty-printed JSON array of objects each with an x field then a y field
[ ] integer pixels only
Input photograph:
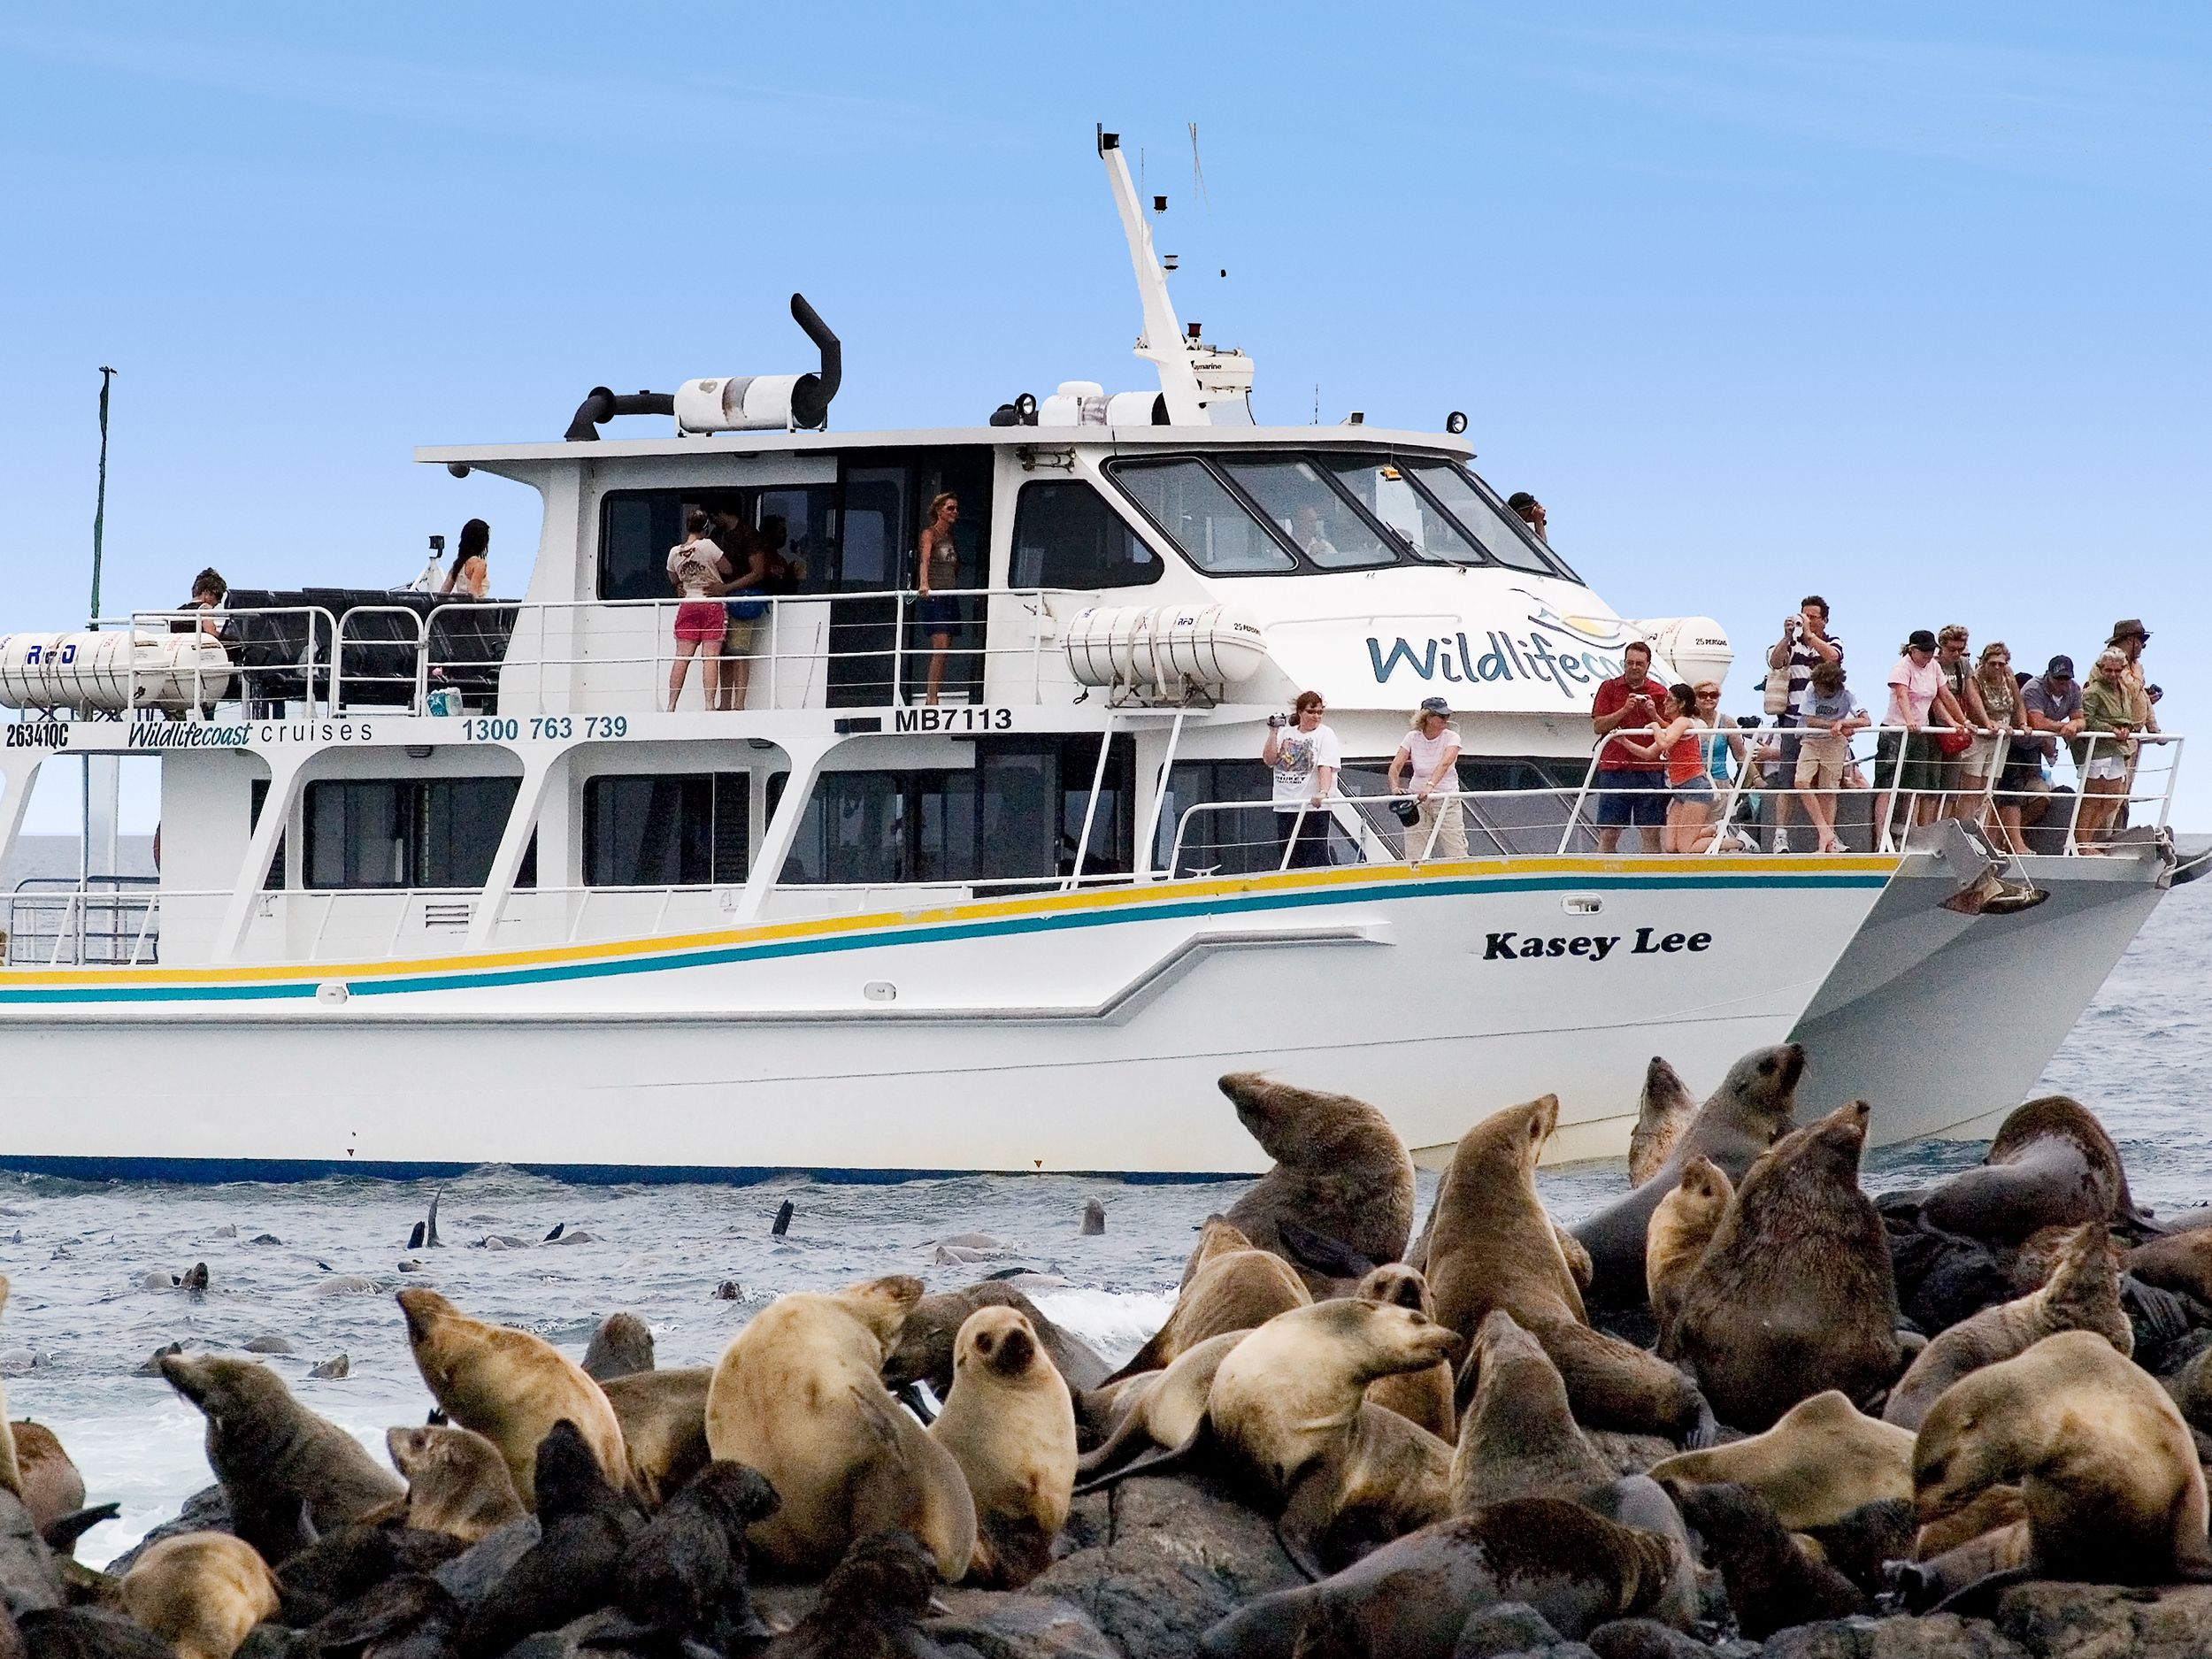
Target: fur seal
[
  {"x": 585, "y": 1524},
  {"x": 1491, "y": 1245},
  {"x": 1421, "y": 1397},
  {"x": 684, "y": 1574},
  {"x": 799, "y": 1395},
  {"x": 286, "y": 1472},
  {"x": 2190, "y": 1387},
  {"x": 1409, "y": 1598},
  {"x": 2107, "y": 1469},
  {"x": 1228, "y": 1285},
  {"x": 201, "y": 1592},
  {"x": 621, "y": 1346},
  {"x": 340, "y": 1566},
  {"x": 1340, "y": 1170},
  {"x": 1794, "y": 1295},
  {"x": 1823, "y": 1459},
  {"x": 2182, "y": 1262},
  {"x": 457, "y": 1481},
  {"x": 46, "y": 1481},
  {"x": 2083, "y": 1294},
  {"x": 1519, "y": 1439},
  {"x": 1161, "y": 1408},
  {"x": 925, "y": 1353},
  {"x": 870, "y": 1603},
  {"x": 1675, "y": 1242},
  {"x": 1862, "y": 1545},
  {"x": 1663, "y": 1112},
  {"x": 508, "y": 1385},
  {"x": 1771, "y": 1583},
  {"x": 10, "y": 1476},
  {"x": 2051, "y": 1165},
  {"x": 1010, "y": 1424},
  {"x": 1747, "y": 1114},
  {"x": 663, "y": 1419}
]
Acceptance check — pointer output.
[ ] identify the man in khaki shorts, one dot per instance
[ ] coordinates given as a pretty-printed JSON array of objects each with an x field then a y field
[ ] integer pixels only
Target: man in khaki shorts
[{"x": 1823, "y": 755}]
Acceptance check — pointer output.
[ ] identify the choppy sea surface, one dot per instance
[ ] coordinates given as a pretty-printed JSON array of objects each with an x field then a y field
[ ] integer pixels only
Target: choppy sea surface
[{"x": 90, "y": 1264}]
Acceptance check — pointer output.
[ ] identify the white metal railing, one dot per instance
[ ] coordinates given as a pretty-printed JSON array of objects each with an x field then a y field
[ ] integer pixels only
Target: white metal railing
[{"x": 109, "y": 921}]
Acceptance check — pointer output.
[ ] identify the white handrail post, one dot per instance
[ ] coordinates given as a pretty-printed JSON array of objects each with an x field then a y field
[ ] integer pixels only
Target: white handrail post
[
  {"x": 1090, "y": 807},
  {"x": 898, "y": 652},
  {"x": 1159, "y": 799},
  {"x": 1581, "y": 795}
]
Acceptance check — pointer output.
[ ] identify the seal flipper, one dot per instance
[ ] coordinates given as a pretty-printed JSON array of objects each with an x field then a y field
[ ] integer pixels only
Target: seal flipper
[
  {"x": 1319, "y": 1253},
  {"x": 1303, "y": 1527},
  {"x": 1171, "y": 1457},
  {"x": 62, "y": 1531},
  {"x": 430, "y": 1233},
  {"x": 2162, "y": 1312}
]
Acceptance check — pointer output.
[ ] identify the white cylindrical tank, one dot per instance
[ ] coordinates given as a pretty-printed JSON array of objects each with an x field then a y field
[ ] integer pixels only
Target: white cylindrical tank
[
  {"x": 736, "y": 402},
  {"x": 1152, "y": 646},
  {"x": 1694, "y": 648},
  {"x": 111, "y": 671},
  {"x": 1077, "y": 404}
]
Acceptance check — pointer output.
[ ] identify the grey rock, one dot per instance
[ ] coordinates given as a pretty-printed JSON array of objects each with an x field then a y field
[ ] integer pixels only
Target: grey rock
[
  {"x": 205, "y": 1511},
  {"x": 2088, "y": 1621},
  {"x": 348, "y": 1285},
  {"x": 1503, "y": 1627},
  {"x": 469, "y": 1576},
  {"x": 1564, "y": 1650},
  {"x": 1937, "y": 1636},
  {"x": 269, "y": 1345},
  {"x": 1000, "y": 1625},
  {"x": 332, "y": 1368},
  {"x": 1182, "y": 1554},
  {"x": 265, "y": 1238},
  {"x": 28, "y": 1579},
  {"x": 1643, "y": 1638}
]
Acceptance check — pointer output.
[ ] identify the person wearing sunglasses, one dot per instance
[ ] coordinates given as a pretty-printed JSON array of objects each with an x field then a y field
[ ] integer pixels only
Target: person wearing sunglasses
[{"x": 1303, "y": 756}]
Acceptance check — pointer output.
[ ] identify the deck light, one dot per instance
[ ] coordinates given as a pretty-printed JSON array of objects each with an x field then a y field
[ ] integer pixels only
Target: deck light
[{"x": 1455, "y": 423}]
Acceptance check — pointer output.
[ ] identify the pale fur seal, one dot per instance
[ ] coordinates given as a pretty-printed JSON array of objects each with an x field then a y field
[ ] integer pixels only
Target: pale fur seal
[
  {"x": 1492, "y": 1246},
  {"x": 286, "y": 1473},
  {"x": 457, "y": 1481},
  {"x": 1340, "y": 1170},
  {"x": 1160, "y": 1409},
  {"x": 10, "y": 1476},
  {"x": 1422, "y": 1397},
  {"x": 621, "y": 1346},
  {"x": 1822, "y": 1460},
  {"x": 799, "y": 1395},
  {"x": 663, "y": 1419},
  {"x": 1519, "y": 1439},
  {"x": 201, "y": 1592},
  {"x": 2106, "y": 1468},
  {"x": 2181, "y": 1263},
  {"x": 1747, "y": 1114},
  {"x": 51, "y": 1485},
  {"x": 1228, "y": 1285},
  {"x": 2083, "y": 1294},
  {"x": 510, "y": 1386},
  {"x": 1675, "y": 1242},
  {"x": 925, "y": 1353},
  {"x": 2051, "y": 1165},
  {"x": 1795, "y": 1294},
  {"x": 1010, "y": 1424},
  {"x": 1663, "y": 1112}
]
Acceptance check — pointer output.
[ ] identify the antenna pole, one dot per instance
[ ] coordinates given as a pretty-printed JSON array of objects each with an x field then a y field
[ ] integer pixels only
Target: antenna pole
[
  {"x": 100, "y": 503},
  {"x": 1161, "y": 343}
]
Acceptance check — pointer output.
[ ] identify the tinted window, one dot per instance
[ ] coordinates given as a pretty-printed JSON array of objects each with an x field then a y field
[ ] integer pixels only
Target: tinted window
[
  {"x": 1503, "y": 535},
  {"x": 636, "y": 529},
  {"x": 1312, "y": 516},
  {"x": 1066, "y": 536},
  {"x": 409, "y": 832},
  {"x": 1381, "y": 487},
  {"x": 1198, "y": 513},
  {"x": 667, "y": 830}
]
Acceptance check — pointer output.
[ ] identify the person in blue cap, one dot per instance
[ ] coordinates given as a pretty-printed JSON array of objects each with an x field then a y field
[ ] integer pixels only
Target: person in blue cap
[{"x": 1430, "y": 753}]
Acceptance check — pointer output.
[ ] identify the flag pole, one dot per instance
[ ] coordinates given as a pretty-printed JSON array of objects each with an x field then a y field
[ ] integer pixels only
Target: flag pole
[{"x": 99, "y": 533}]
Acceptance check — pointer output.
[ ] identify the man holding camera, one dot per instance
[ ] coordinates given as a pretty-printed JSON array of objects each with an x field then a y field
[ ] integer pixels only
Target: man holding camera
[
  {"x": 1302, "y": 755},
  {"x": 1630, "y": 791},
  {"x": 1804, "y": 646}
]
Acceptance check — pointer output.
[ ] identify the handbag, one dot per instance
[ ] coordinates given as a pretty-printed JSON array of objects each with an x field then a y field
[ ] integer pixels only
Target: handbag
[
  {"x": 1778, "y": 701},
  {"x": 749, "y": 609},
  {"x": 1409, "y": 812},
  {"x": 1953, "y": 741}
]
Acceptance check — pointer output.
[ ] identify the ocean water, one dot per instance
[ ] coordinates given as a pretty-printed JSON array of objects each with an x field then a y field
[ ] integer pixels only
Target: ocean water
[{"x": 82, "y": 1316}]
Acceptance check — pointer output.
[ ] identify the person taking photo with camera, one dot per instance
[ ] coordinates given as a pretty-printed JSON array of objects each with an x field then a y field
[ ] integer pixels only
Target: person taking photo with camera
[{"x": 1303, "y": 755}]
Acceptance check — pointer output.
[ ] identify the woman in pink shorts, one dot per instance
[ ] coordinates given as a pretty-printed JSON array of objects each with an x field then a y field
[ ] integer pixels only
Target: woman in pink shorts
[{"x": 697, "y": 570}]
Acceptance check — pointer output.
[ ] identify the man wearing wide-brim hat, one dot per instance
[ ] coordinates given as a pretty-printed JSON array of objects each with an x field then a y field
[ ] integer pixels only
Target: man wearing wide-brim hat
[{"x": 2129, "y": 637}]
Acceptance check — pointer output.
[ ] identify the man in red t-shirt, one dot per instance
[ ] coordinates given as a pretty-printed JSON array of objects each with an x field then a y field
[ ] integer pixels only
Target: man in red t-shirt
[{"x": 1630, "y": 791}]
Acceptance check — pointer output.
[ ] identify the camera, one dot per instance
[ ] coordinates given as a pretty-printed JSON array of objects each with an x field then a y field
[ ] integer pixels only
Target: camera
[{"x": 1276, "y": 721}]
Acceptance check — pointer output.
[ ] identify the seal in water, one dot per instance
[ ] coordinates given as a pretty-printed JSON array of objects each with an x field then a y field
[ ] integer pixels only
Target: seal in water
[
  {"x": 1663, "y": 1112},
  {"x": 2051, "y": 1165}
]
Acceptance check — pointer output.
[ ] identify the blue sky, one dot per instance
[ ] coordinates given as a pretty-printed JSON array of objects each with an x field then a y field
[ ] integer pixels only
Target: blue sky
[{"x": 1903, "y": 304}]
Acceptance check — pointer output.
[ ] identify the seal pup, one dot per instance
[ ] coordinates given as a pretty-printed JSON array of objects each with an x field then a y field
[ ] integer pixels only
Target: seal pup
[
  {"x": 1862, "y": 1545},
  {"x": 2108, "y": 1472},
  {"x": 1794, "y": 1295},
  {"x": 2083, "y": 1294},
  {"x": 925, "y": 1352},
  {"x": 286, "y": 1472},
  {"x": 870, "y": 1603},
  {"x": 1010, "y": 1424},
  {"x": 201, "y": 1592},
  {"x": 585, "y": 1524},
  {"x": 1739, "y": 1120},
  {"x": 684, "y": 1574},
  {"x": 1409, "y": 1598},
  {"x": 2051, "y": 1165},
  {"x": 1771, "y": 1583},
  {"x": 1340, "y": 1170},
  {"x": 663, "y": 1419},
  {"x": 1421, "y": 1397},
  {"x": 1228, "y": 1285},
  {"x": 621, "y": 1346},
  {"x": 1823, "y": 1459},
  {"x": 1663, "y": 1112},
  {"x": 508, "y": 1385},
  {"x": 457, "y": 1481},
  {"x": 1519, "y": 1439},
  {"x": 1675, "y": 1242},
  {"x": 799, "y": 1395},
  {"x": 341, "y": 1566},
  {"x": 1491, "y": 1245}
]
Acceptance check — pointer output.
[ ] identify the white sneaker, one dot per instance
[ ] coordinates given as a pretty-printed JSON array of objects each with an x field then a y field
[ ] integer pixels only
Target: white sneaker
[
  {"x": 1746, "y": 842},
  {"x": 1781, "y": 841}
]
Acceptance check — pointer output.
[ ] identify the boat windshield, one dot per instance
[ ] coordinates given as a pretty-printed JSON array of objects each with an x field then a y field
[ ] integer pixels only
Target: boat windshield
[
  {"x": 1319, "y": 521},
  {"x": 1215, "y": 530},
  {"x": 1380, "y": 484},
  {"x": 1503, "y": 535}
]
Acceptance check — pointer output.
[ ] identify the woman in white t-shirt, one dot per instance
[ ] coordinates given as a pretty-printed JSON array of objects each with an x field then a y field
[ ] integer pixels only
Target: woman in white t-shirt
[
  {"x": 698, "y": 570},
  {"x": 1303, "y": 757},
  {"x": 1430, "y": 753}
]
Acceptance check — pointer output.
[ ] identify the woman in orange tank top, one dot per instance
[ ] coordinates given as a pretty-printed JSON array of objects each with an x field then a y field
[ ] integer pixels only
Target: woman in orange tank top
[{"x": 1689, "y": 784}]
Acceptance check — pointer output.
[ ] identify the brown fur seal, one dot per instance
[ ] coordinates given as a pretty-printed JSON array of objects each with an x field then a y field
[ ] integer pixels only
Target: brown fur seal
[
  {"x": 1229, "y": 1286},
  {"x": 1492, "y": 1246},
  {"x": 663, "y": 1419},
  {"x": 1675, "y": 1242},
  {"x": 1161, "y": 1408},
  {"x": 799, "y": 1395},
  {"x": 1662, "y": 1113},
  {"x": 1739, "y": 1120},
  {"x": 1010, "y": 1425},
  {"x": 1520, "y": 1440},
  {"x": 2051, "y": 1165},
  {"x": 201, "y": 1592},
  {"x": 286, "y": 1473},
  {"x": 1422, "y": 1397},
  {"x": 870, "y": 1605},
  {"x": 2083, "y": 1294},
  {"x": 510, "y": 1386},
  {"x": 10, "y": 1477},
  {"x": 2190, "y": 1387},
  {"x": 1822, "y": 1460},
  {"x": 1998, "y": 1509},
  {"x": 1796, "y": 1293},
  {"x": 1771, "y": 1583},
  {"x": 457, "y": 1481},
  {"x": 2106, "y": 1467},
  {"x": 1340, "y": 1170},
  {"x": 1409, "y": 1599},
  {"x": 49, "y": 1484},
  {"x": 2181, "y": 1263},
  {"x": 925, "y": 1353},
  {"x": 621, "y": 1346}
]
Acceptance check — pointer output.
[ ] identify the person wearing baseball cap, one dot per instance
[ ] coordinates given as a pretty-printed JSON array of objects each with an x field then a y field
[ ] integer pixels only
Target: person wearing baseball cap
[{"x": 1430, "y": 753}]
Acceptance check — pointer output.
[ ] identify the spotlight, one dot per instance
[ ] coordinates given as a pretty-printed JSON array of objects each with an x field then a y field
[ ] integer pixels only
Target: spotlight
[{"x": 1455, "y": 423}]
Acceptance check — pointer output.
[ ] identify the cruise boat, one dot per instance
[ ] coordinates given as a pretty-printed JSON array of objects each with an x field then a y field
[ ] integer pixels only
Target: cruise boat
[{"x": 446, "y": 881}]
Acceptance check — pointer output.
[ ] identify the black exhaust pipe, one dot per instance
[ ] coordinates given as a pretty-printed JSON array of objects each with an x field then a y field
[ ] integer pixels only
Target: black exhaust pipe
[
  {"x": 811, "y": 397},
  {"x": 603, "y": 405}
]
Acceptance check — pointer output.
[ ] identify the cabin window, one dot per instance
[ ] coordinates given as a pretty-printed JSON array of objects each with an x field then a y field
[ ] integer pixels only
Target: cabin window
[
  {"x": 1381, "y": 485},
  {"x": 1499, "y": 531},
  {"x": 1066, "y": 536},
  {"x": 636, "y": 530},
  {"x": 436, "y": 832},
  {"x": 1311, "y": 513},
  {"x": 1202, "y": 515},
  {"x": 259, "y": 797},
  {"x": 667, "y": 830}
]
